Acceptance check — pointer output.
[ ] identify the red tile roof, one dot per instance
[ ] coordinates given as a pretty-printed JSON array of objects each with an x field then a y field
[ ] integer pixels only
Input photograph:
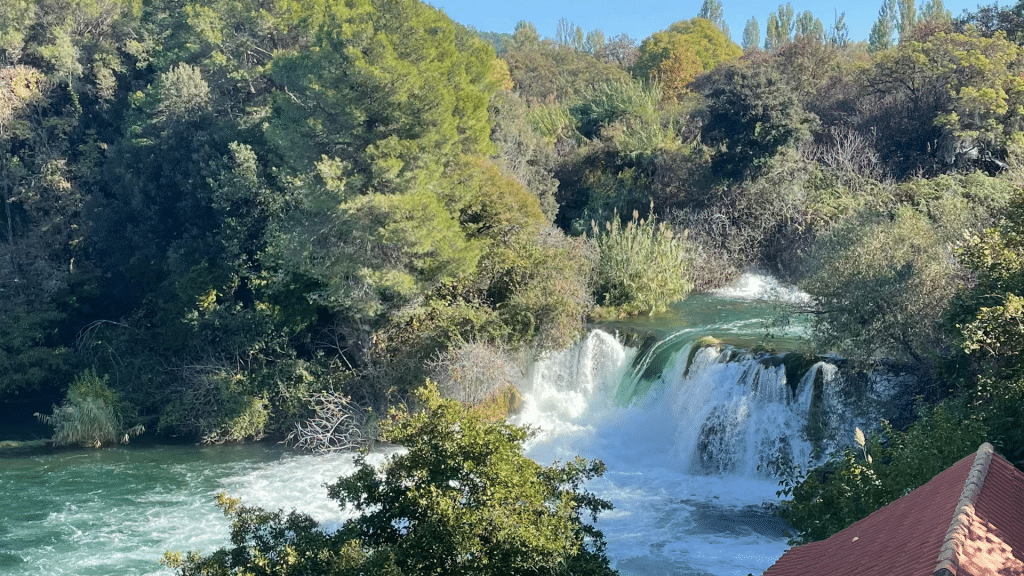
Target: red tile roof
[{"x": 967, "y": 521}]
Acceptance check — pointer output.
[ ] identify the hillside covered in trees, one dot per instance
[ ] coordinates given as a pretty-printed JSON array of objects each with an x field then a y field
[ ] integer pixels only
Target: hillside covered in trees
[{"x": 222, "y": 215}]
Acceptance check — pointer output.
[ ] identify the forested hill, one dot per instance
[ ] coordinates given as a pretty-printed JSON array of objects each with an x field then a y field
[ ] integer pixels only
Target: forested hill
[{"x": 215, "y": 210}]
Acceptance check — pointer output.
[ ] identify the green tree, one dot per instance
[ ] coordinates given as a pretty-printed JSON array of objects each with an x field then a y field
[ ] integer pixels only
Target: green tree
[
  {"x": 988, "y": 20},
  {"x": 952, "y": 100},
  {"x": 779, "y": 30},
  {"x": 523, "y": 151},
  {"x": 678, "y": 45},
  {"x": 881, "y": 289},
  {"x": 884, "y": 27},
  {"x": 907, "y": 18},
  {"x": 751, "y": 34},
  {"x": 807, "y": 26},
  {"x": 547, "y": 73},
  {"x": 524, "y": 36},
  {"x": 751, "y": 113},
  {"x": 41, "y": 228},
  {"x": 463, "y": 499},
  {"x": 391, "y": 88},
  {"x": 594, "y": 43},
  {"x": 935, "y": 11},
  {"x": 712, "y": 10},
  {"x": 987, "y": 314},
  {"x": 374, "y": 252}
]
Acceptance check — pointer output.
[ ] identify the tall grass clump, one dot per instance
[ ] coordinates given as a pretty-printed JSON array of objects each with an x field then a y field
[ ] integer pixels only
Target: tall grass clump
[
  {"x": 91, "y": 414},
  {"x": 552, "y": 121},
  {"x": 642, "y": 267},
  {"x": 615, "y": 100}
]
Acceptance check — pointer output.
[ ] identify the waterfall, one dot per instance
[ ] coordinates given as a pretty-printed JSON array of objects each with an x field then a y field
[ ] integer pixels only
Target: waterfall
[
  {"x": 710, "y": 409},
  {"x": 737, "y": 417},
  {"x": 694, "y": 437}
]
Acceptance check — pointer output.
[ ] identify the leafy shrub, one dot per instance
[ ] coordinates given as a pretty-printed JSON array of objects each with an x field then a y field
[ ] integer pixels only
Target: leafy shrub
[
  {"x": 752, "y": 113},
  {"x": 523, "y": 151},
  {"x": 882, "y": 288},
  {"x": 216, "y": 404},
  {"x": 999, "y": 404},
  {"x": 544, "y": 287},
  {"x": 752, "y": 221},
  {"x": 612, "y": 101},
  {"x": 987, "y": 314},
  {"x": 91, "y": 415},
  {"x": 641, "y": 267}
]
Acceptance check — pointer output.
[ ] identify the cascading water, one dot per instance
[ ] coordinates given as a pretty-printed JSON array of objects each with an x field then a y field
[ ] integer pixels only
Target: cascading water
[
  {"x": 691, "y": 434},
  {"x": 694, "y": 436},
  {"x": 682, "y": 458}
]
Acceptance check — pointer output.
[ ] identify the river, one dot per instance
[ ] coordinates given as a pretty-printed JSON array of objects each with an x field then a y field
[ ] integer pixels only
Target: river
[{"x": 691, "y": 442}]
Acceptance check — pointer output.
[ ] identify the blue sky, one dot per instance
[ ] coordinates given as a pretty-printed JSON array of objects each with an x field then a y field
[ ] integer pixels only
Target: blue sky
[{"x": 641, "y": 18}]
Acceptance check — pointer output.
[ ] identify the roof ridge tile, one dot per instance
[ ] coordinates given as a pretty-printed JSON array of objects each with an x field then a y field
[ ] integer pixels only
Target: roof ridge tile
[{"x": 953, "y": 543}]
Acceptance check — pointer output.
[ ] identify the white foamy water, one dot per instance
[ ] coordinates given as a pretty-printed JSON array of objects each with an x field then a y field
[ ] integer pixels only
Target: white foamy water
[
  {"x": 116, "y": 511},
  {"x": 671, "y": 515},
  {"x": 754, "y": 286}
]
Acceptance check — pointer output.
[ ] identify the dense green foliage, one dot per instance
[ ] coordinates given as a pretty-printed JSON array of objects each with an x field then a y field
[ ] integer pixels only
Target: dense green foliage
[
  {"x": 678, "y": 54},
  {"x": 882, "y": 288},
  {"x": 751, "y": 115},
  {"x": 227, "y": 207},
  {"x": 462, "y": 500}
]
